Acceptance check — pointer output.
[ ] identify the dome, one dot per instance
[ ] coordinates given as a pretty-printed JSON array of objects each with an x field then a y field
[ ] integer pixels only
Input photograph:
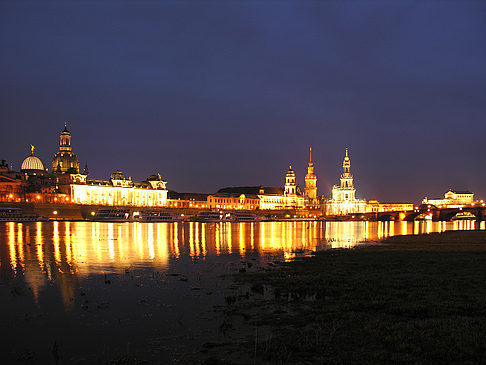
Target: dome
[
  {"x": 118, "y": 175},
  {"x": 290, "y": 172},
  {"x": 32, "y": 163}
]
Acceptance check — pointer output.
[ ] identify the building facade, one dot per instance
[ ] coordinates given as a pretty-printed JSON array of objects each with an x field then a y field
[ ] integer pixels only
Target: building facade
[
  {"x": 452, "y": 199},
  {"x": 263, "y": 197},
  {"x": 374, "y": 206},
  {"x": 11, "y": 184},
  {"x": 120, "y": 191},
  {"x": 343, "y": 200},
  {"x": 233, "y": 202}
]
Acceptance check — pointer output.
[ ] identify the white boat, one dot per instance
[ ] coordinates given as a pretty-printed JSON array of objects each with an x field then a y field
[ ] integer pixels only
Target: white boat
[
  {"x": 15, "y": 215},
  {"x": 112, "y": 215},
  {"x": 242, "y": 217},
  {"x": 210, "y": 217},
  {"x": 423, "y": 217},
  {"x": 153, "y": 215},
  {"x": 464, "y": 216}
]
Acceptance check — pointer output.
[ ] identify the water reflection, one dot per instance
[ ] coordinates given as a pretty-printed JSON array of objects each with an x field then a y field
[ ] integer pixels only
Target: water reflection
[{"x": 67, "y": 251}]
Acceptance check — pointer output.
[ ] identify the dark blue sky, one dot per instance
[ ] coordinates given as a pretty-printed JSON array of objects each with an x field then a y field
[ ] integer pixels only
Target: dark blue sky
[{"x": 214, "y": 94}]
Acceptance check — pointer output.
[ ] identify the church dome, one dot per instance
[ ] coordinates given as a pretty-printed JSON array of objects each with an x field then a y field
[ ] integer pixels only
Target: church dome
[
  {"x": 32, "y": 163},
  {"x": 291, "y": 172}
]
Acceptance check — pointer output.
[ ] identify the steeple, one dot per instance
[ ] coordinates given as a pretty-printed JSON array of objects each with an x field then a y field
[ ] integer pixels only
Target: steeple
[
  {"x": 346, "y": 164},
  {"x": 85, "y": 171},
  {"x": 310, "y": 167},
  {"x": 346, "y": 177},
  {"x": 290, "y": 184},
  {"x": 65, "y": 139},
  {"x": 311, "y": 181}
]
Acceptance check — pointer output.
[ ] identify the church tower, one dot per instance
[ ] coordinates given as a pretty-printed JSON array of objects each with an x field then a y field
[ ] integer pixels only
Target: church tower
[
  {"x": 311, "y": 180},
  {"x": 347, "y": 178},
  {"x": 343, "y": 199},
  {"x": 65, "y": 161},
  {"x": 290, "y": 185}
]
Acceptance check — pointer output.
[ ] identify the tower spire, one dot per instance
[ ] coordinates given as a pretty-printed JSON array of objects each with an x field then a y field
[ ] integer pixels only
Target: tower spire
[{"x": 311, "y": 182}]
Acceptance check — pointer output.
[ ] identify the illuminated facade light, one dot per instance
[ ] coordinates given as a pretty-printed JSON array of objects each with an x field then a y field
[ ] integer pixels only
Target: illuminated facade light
[{"x": 343, "y": 200}]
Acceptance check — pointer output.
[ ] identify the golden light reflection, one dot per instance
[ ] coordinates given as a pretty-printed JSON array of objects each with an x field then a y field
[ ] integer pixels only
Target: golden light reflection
[
  {"x": 150, "y": 241},
  {"x": 20, "y": 246},
  {"x": 191, "y": 239},
  {"x": 78, "y": 249},
  {"x": 403, "y": 228},
  {"x": 203, "y": 239},
  {"x": 175, "y": 229},
  {"x": 55, "y": 241},
  {"x": 12, "y": 247},
  {"x": 241, "y": 230},
  {"x": 38, "y": 244}
]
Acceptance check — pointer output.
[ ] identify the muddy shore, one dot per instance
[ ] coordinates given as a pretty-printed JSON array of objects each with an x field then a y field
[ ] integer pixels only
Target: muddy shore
[{"x": 409, "y": 299}]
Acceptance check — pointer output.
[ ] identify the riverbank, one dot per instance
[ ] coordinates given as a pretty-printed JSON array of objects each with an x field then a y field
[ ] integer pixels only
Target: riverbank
[{"x": 410, "y": 299}]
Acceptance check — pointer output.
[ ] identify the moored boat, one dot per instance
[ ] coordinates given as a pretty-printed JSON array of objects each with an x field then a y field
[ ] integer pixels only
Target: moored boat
[
  {"x": 112, "y": 215},
  {"x": 464, "y": 216},
  {"x": 16, "y": 215},
  {"x": 209, "y": 216},
  {"x": 242, "y": 217},
  {"x": 154, "y": 215}
]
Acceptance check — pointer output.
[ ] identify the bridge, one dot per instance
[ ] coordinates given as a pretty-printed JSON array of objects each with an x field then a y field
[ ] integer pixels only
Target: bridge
[{"x": 438, "y": 214}]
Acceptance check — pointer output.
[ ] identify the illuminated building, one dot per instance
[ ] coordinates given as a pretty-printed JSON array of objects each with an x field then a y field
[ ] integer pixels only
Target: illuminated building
[
  {"x": 65, "y": 161},
  {"x": 233, "y": 201},
  {"x": 452, "y": 199},
  {"x": 11, "y": 183},
  {"x": 311, "y": 182},
  {"x": 270, "y": 198},
  {"x": 373, "y": 206},
  {"x": 343, "y": 200},
  {"x": 120, "y": 191},
  {"x": 187, "y": 200}
]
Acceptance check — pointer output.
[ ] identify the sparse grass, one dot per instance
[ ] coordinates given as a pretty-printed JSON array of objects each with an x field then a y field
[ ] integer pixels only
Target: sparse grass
[{"x": 416, "y": 299}]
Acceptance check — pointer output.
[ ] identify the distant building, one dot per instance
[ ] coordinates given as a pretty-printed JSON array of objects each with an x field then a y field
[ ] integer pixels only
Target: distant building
[
  {"x": 452, "y": 199},
  {"x": 269, "y": 198},
  {"x": 311, "y": 183},
  {"x": 233, "y": 201},
  {"x": 373, "y": 206},
  {"x": 11, "y": 184},
  {"x": 65, "y": 161},
  {"x": 187, "y": 200},
  {"x": 343, "y": 200},
  {"x": 120, "y": 191}
]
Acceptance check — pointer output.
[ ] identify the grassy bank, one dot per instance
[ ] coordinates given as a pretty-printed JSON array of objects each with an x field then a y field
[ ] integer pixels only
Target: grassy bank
[{"x": 413, "y": 299}]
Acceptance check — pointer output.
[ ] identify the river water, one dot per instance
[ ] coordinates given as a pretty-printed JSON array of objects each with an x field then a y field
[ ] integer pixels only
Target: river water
[{"x": 88, "y": 292}]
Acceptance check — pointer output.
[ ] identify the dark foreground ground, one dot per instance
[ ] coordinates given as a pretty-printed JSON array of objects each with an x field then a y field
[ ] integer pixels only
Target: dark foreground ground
[{"x": 413, "y": 299}]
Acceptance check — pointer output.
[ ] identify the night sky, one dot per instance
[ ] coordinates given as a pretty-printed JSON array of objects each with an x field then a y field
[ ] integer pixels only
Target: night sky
[{"x": 215, "y": 94}]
